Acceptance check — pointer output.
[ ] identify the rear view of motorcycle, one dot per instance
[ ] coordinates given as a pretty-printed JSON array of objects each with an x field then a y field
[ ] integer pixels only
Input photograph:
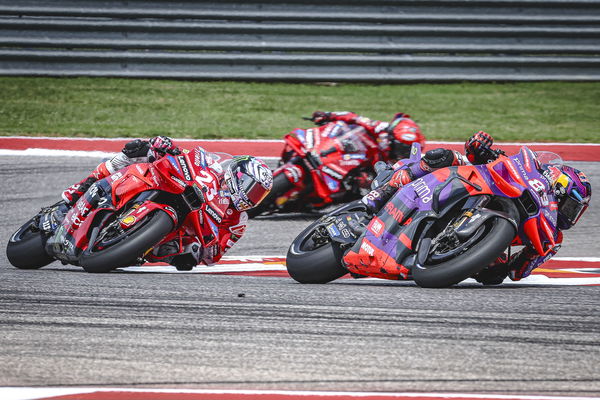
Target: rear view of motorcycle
[
  {"x": 122, "y": 218},
  {"x": 321, "y": 166},
  {"x": 437, "y": 230}
]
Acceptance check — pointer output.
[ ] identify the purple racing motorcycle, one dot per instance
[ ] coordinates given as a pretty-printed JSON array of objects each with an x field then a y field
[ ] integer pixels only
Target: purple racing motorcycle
[{"x": 439, "y": 229}]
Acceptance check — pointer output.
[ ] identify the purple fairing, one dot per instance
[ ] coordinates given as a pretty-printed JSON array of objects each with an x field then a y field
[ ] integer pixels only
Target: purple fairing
[{"x": 426, "y": 196}]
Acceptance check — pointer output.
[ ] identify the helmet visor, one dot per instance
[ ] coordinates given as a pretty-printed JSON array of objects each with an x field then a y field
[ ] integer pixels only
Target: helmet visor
[
  {"x": 572, "y": 208},
  {"x": 253, "y": 191}
]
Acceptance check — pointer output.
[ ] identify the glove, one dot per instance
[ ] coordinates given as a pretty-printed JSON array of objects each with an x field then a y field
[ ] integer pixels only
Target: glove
[
  {"x": 162, "y": 145},
  {"x": 479, "y": 148},
  {"x": 321, "y": 117},
  {"x": 136, "y": 148},
  {"x": 400, "y": 178}
]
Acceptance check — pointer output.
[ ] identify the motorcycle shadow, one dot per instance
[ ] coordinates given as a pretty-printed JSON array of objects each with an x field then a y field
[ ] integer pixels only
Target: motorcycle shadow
[
  {"x": 290, "y": 216},
  {"x": 465, "y": 285}
]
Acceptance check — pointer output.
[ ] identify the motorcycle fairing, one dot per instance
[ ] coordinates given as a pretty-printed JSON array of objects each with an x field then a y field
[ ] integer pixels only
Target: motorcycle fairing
[
  {"x": 406, "y": 215},
  {"x": 132, "y": 189},
  {"x": 393, "y": 233},
  {"x": 329, "y": 154}
]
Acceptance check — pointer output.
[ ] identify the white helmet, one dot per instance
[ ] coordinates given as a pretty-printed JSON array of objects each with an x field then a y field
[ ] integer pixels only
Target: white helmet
[{"x": 249, "y": 181}]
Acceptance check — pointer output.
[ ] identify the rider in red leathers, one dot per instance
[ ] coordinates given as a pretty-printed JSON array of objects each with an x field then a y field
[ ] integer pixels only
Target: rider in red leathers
[
  {"x": 245, "y": 180},
  {"x": 572, "y": 189},
  {"x": 394, "y": 138}
]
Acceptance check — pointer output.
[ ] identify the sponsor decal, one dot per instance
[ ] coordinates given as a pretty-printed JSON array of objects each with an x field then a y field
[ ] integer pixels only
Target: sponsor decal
[
  {"x": 367, "y": 248},
  {"x": 184, "y": 168},
  {"x": 178, "y": 181},
  {"x": 67, "y": 245},
  {"x": 128, "y": 220},
  {"x": 512, "y": 169},
  {"x": 521, "y": 168},
  {"x": 551, "y": 174},
  {"x": 76, "y": 220},
  {"x": 550, "y": 216},
  {"x": 376, "y": 226},
  {"x": 332, "y": 173},
  {"x": 394, "y": 212},
  {"x": 199, "y": 158},
  {"x": 354, "y": 156},
  {"x": 93, "y": 190},
  {"x": 527, "y": 160},
  {"x": 213, "y": 213},
  {"x": 116, "y": 176},
  {"x": 422, "y": 190},
  {"x": 310, "y": 141},
  {"x": 333, "y": 230},
  {"x": 351, "y": 163},
  {"x": 332, "y": 184},
  {"x": 82, "y": 206}
]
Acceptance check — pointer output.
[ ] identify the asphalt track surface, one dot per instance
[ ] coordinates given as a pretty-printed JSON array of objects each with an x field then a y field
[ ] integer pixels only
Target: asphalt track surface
[{"x": 61, "y": 326}]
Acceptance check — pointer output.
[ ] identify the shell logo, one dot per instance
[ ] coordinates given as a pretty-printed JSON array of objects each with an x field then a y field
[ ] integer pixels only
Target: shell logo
[{"x": 129, "y": 220}]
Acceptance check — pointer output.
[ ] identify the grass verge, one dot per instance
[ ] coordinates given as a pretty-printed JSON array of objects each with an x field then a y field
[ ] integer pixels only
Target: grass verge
[{"x": 544, "y": 111}]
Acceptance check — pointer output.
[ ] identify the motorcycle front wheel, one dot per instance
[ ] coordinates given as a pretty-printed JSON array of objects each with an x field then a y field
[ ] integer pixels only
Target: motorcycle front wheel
[
  {"x": 123, "y": 248},
  {"x": 313, "y": 257},
  {"x": 26, "y": 247}
]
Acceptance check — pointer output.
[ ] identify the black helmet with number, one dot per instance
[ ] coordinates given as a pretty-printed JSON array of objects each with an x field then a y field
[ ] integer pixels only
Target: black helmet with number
[{"x": 249, "y": 181}]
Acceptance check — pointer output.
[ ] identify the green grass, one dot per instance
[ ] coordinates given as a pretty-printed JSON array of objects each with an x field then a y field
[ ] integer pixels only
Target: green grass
[{"x": 546, "y": 111}]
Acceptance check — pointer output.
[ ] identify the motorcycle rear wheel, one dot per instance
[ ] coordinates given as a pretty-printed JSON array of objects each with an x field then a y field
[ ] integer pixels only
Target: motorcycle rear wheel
[
  {"x": 26, "y": 248},
  {"x": 495, "y": 239},
  {"x": 130, "y": 248}
]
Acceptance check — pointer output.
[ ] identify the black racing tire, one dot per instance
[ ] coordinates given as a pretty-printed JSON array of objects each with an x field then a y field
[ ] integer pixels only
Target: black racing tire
[
  {"x": 127, "y": 251},
  {"x": 26, "y": 248},
  {"x": 281, "y": 184},
  {"x": 483, "y": 253},
  {"x": 320, "y": 265}
]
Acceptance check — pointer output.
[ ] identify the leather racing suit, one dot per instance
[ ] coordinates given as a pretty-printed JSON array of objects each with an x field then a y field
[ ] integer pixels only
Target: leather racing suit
[
  {"x": 520, "y": 264},
  {"x": 191, "y": 253},
  {"x": 392, "y": 139}
]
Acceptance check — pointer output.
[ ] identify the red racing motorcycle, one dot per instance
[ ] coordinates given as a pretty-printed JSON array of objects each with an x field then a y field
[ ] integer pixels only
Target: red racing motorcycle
[
  {"x": 321, "y": 166},
  {"x": 121, "y": 218}
]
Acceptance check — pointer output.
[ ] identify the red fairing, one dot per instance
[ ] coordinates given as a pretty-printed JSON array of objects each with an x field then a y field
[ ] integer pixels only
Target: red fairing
[
  {"x": 323, "y": 157},
  {"x": 214, "y": 222}
]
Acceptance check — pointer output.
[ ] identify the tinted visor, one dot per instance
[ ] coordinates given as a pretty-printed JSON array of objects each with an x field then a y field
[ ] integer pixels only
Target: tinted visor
[
  {"x": 572, "y": 209},
  {"x": 253, "y": 191}
]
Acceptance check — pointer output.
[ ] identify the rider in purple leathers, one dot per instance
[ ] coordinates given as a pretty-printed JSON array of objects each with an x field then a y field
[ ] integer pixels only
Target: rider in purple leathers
[{"x": 571, "y": 188}]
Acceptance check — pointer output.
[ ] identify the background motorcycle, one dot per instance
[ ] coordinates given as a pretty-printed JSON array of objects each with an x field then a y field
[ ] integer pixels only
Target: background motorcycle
[
  {"x": 320, "y": 166},
  {"x": 121, "y": 218},
  {"x": 439, "y": 229}
]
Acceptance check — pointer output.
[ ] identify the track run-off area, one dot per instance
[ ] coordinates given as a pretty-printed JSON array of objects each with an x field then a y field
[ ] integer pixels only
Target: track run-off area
[{"x": 243, "y": 329}]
